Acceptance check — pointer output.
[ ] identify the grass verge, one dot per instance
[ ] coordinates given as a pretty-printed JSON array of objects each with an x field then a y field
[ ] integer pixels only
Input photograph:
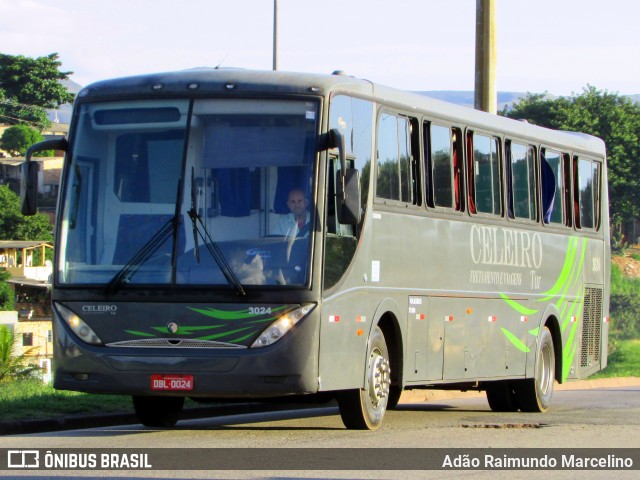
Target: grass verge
[
  {"x": 31, "y": 399},
  {"x": 624, "y": 361}
]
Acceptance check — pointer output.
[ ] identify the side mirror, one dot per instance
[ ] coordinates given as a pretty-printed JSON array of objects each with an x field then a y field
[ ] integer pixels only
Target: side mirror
[
  {"x": 347, "y": 183},
  {"x": 348, "y": 191},
  {"x": 336, "y": 140},
  {"x": 29, "y": 174},
  {"x": 29, "y": 188}
]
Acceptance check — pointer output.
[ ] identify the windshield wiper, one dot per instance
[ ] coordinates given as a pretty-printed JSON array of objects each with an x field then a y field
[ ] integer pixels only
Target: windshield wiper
[
  {"x": 148, "y": 249},
  {"x": 199, "y": 229}
]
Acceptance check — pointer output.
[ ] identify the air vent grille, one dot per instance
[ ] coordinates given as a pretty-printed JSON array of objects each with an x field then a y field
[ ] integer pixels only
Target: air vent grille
[{"x": 591, "y": 327}]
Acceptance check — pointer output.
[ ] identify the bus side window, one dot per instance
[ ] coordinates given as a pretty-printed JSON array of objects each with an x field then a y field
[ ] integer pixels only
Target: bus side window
[
  {"x": 521, "y": 181},
  {"x": 566, "y": 161},
  {"x": 440, "y": 166},
  {"x": 416, "y": 177},
  {"x": 587, "y": 184},
  {"x": 397, "y": 177},
  {"x": 458, "y": 177},
  {"x": 552, "y": 175},
  {"x": 484, "y": 178}
]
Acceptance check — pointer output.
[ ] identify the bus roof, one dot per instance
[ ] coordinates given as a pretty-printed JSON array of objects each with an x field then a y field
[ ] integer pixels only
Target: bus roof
[{"x": 235, "y": 82}]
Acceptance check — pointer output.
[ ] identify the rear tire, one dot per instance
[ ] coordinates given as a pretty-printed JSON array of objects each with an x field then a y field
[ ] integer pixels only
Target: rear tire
[
  {"x": 501, "y": 396},
  {"x": 161, "y": 412},
  {"x": 364, "y": 409},
  {"x": 534, "y": 394}
]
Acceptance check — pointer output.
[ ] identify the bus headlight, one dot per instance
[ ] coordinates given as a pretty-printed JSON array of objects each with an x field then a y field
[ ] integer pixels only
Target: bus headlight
[
  {"x": 281, "y": 326},
  {"x": 78, "y": 326}
]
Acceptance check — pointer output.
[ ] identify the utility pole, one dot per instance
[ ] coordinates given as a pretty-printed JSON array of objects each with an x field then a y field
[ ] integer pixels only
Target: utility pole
[
  {"x": 275, "y": 35},
  {"x": 486, "y": 97}
]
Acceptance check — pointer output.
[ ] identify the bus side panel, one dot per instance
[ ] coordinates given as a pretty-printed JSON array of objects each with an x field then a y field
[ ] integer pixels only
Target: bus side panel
[
  {"x": 482, "y": 339},
  {"x": 346, "y": 323}
]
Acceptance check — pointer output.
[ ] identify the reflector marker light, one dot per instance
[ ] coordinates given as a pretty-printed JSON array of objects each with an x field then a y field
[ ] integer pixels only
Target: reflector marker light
[
  {"x": 448, "y": 318},
  {"x": 492, "y": 318},
  {"x": 420, "y": 316},
  {"x": 334, "y": 318},
  {"x": 524, "y": 318},
  {"x": 361, "y": 319},
  {"x": 605, "y": 319}
]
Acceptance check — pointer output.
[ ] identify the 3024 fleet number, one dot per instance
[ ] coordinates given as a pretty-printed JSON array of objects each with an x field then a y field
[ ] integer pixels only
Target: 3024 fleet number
[{"x": 260, "y": 310}]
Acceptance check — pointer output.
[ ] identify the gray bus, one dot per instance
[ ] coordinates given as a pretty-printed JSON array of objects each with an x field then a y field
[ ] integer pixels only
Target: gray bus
[{"x": 230, "y": 234}]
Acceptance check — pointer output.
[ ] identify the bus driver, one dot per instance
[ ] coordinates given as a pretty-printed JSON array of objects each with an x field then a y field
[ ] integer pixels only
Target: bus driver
[{"x": 296, "y": 223}]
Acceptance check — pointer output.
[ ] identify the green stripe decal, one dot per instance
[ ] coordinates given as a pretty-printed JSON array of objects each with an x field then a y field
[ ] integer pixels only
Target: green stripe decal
[
  {"x": 223, "y": 314},
  {"x": 235, "y": 324},
  {"x": 567, "y": 294},
  {"x": 566, "y": 270},
  {"x": 515, "y": 340},
  {"x": 521, "y": 309},
  {"x": 230, "y": 315}
]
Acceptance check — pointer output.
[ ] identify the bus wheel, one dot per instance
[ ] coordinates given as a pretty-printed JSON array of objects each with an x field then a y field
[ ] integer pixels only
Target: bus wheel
[
  {"x": 394, "y": 397},
  {"x": 158, "y": 411},
  {"x": 364, "y": 409},
  {"x": 534, "y": 394},
  {"x": 501, "y": 396}
]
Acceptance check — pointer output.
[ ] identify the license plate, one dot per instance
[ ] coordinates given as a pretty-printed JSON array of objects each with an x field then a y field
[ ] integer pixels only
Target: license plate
[{"x": 172, "y": 382}]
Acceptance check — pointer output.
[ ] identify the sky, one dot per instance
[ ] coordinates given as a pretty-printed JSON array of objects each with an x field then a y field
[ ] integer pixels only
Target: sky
[{"x": 554, "y": 46}]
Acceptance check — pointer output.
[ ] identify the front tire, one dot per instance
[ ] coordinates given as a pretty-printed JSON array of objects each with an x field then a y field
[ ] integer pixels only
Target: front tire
[
  {"x": 393, "y": 399},
  {"x": 364, "y": 409},
  {"x": 161, "y": 412},
  {"x": 534, "y": 394}
]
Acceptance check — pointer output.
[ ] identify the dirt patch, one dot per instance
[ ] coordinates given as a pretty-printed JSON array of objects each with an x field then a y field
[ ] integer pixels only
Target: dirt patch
[{"x": 629, "y": 267}]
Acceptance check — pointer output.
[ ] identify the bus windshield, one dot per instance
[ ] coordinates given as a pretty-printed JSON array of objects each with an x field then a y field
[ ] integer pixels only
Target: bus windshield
[{"x": 189, "y": 192}]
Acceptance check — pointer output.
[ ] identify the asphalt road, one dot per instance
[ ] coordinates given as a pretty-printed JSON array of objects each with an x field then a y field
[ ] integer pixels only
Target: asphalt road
[{"x": 591, "y": 415}]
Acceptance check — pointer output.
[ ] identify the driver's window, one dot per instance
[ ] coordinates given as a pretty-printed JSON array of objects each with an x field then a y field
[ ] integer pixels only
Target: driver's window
[{"x": 353, "y": 117}]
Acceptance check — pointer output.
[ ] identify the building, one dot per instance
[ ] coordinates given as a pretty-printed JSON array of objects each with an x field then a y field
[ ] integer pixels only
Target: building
[
  {"x": 30, "y": 280},
  {"x": 49, "y": 172}
]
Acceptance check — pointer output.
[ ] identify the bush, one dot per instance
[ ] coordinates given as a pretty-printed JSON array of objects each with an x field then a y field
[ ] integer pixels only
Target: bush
[
  {"x": 6, "y": 292},
  {"x": 17, "y": 139},
  {"x": 619, "y": 246},
  {"x": 624, "y": 305},
  {"x": 12, "y": 366}
]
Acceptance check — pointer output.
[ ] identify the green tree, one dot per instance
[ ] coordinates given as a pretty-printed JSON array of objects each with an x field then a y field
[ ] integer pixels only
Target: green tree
[
  {"x": 12, "y": 365},
  {"x": 29, "y": 86},
  {"x": 6, "y": 292},
  {"x": 610, "y": 116},
  {"x": 15, "y": 226},
  {"x": 625, "y": 305},
  {"x": 17, "y": 139}
]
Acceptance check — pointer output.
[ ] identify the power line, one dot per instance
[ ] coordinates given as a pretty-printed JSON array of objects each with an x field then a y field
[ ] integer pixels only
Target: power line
[
  {"x": 20, "y": 120},
  {"x": 24, "y": 105}
]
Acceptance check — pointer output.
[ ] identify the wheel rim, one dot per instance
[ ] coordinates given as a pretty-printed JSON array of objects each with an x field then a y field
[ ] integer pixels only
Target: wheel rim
[
  {"x": 545, "y": 381},
  {"x": 379, "y": 378}
]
